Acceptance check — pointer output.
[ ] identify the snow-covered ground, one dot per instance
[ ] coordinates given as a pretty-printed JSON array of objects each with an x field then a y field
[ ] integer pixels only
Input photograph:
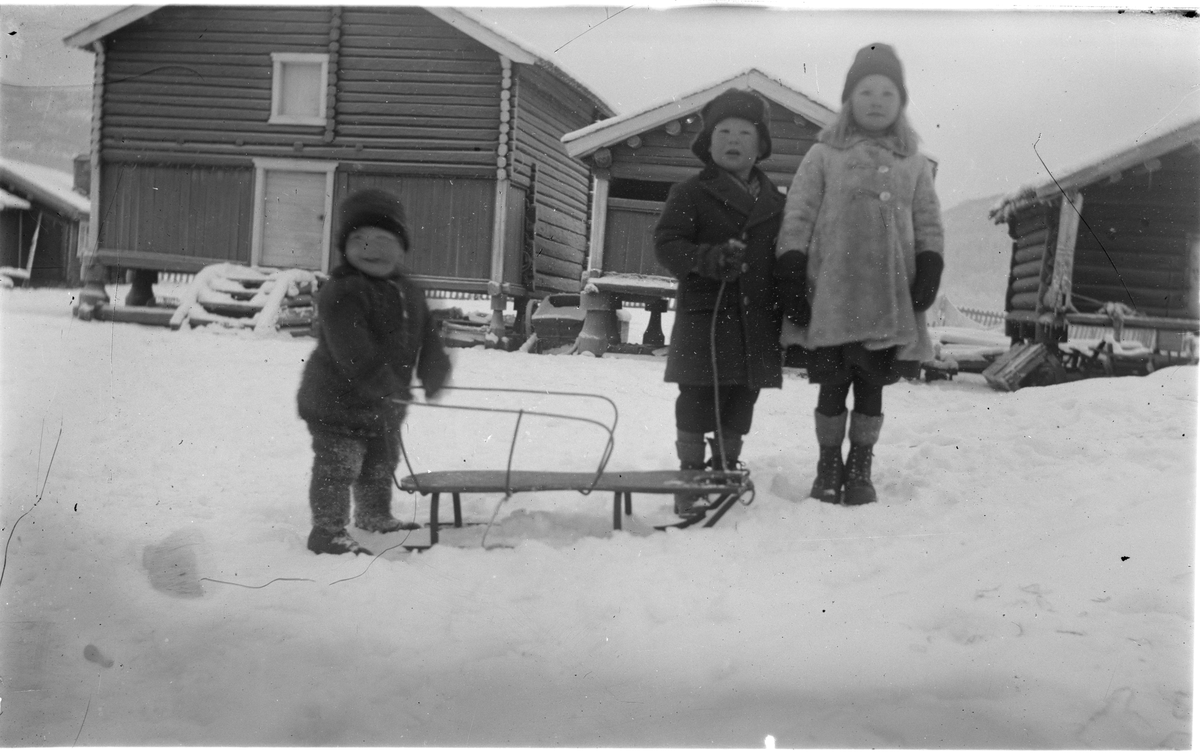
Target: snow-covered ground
[{"x": 1025, "y": 582}]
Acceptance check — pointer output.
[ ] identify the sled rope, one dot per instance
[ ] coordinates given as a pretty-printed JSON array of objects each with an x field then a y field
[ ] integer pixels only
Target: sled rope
[
  {"x": 712, "y": 352},
  {"x": 45, "y": 480}
]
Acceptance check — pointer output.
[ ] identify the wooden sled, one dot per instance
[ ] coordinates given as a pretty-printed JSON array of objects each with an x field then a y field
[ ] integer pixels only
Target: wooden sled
[
  {"x": 623, "y": 485},
  {"x": 728, "y": 486}
]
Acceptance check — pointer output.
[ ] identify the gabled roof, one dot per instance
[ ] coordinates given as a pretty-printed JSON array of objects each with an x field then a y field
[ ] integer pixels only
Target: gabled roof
[
  {"x": 472, "y": 27},
  {"x": 608, "y": 132},
  {"x": 44, "y": 185},
  {"x": 9, "y": 201},
  {"x": 1140, "y": 153}
]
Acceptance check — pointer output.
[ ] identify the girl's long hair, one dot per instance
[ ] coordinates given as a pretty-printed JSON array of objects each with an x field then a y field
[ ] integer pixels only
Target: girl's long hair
[{"x": 843, "y": 128}]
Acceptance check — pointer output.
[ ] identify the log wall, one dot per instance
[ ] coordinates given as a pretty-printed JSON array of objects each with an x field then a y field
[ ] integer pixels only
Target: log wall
[
  {"x": 1136, "y": 245},
  {"x": 546, "y": 108}
]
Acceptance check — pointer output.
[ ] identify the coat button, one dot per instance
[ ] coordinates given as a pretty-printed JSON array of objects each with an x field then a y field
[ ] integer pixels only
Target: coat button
[
  {"x": 884, "y": 168},
  {"x": 885, "y": 195},
  {"x": 745, "y": 300},
  {"x": 745, "y": 267}
]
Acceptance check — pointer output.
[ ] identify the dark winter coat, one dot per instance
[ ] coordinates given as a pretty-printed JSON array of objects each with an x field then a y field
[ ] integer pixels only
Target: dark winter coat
[
  {"x": 708, "y": 210},
  {"x": 372, "y": 334}
]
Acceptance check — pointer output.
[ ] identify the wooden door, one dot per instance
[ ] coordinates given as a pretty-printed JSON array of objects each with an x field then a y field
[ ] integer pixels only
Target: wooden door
[{"x": 292, "y": 223}]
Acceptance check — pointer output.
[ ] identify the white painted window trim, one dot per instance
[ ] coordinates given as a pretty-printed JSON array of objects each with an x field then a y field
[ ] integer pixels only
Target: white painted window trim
[
  {"x": 277, "y": 61},
  {"x": 261, "y": 166}
]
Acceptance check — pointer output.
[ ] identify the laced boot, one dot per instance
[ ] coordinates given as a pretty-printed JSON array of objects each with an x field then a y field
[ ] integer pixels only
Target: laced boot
[
  {"x": 831, "y": 431},
  {"x": 733, "y": 451},
  {"x": 689, "y": 446},
  {"x": 864, "y": 433}
]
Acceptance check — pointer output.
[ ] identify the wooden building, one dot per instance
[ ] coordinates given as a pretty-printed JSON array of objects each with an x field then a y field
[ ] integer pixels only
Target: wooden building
[
  {"x": 231, "y": 134},
  {"x": 634, "y": 160},
  {"x": 43, "y": 224},
  {"x": 1114, "y": 241}
]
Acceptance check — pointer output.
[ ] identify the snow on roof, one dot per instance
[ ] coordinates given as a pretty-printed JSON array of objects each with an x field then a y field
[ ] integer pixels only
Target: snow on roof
[
  {"x": 495, "y": 40},
  {"x": 46, "y": 185},
  {"x": 9, "y": 201},
  {"x": 588, "y": 139},
  {"x": 1142, "y": 151}
]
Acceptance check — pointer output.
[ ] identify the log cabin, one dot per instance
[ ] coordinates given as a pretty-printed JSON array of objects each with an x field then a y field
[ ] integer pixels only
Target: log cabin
[
  {"x": 634, "y": 159},
  {"x": 231, "y": 134},
  {"x": 1114, "y": 246},
  {"x": 1113, "y": 243},
  {"x": 43, "y": 223}
]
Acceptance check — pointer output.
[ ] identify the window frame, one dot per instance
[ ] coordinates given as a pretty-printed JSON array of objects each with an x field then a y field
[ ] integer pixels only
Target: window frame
[{"x": 278, "y": 61}]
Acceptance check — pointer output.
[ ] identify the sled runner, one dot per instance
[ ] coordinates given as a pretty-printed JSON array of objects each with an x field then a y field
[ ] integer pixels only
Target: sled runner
[
  {"x": 727, "y": 487},
  {"x": 623, "y": 484}
]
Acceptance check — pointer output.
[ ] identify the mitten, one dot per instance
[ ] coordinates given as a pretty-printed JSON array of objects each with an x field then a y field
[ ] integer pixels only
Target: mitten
[
  {"x": 721, "y": 261},
  {"x": 791, "y": 283},
  {"x": 434, "y": 381},
  {"x": 927, "y": 280}
]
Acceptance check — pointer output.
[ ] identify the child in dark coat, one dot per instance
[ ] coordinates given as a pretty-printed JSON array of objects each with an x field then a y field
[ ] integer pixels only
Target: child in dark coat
[
  {"x": 374, "y": 330},
  {"x": 859, "y": 262},
  {"x": 717, "y": 236}
]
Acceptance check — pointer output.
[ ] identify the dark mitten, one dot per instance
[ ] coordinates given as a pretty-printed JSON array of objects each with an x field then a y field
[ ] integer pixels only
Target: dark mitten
[
  {"x": 434, "y": 381},
  {"x": 722, "y": 261},
  {"x": 927, "y": 280},
  {"x": 791, "y": 282}
]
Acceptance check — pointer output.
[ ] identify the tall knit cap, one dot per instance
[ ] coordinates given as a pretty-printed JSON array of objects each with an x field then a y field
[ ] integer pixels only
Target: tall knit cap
[
  {"x": 734, "y": 103},
  {"x": 876, "y": 58},
  {"x": 371, "y": 207}
]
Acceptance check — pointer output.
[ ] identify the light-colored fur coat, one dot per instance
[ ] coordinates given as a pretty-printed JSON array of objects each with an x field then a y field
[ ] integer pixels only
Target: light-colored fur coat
[{"x": 862, "y": 209}]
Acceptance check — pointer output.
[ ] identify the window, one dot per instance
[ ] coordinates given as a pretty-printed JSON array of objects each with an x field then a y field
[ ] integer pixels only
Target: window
[{"x": 298, "y": 87}]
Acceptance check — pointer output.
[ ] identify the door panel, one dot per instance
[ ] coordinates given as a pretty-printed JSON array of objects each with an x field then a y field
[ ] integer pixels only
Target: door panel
[{"x": 293, "y": 219}]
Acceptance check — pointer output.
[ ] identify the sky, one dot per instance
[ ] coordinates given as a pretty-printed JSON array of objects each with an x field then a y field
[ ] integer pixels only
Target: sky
[{"x": 999, "y": 97}]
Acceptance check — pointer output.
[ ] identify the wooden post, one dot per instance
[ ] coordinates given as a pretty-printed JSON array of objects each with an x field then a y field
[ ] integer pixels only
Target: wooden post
[
  {"x": 1058, "y": 296},
  {"x": 600, "y": 183},
  {"x": 654, "y": 332},
  {"x": 92, "y": 273},
  {"x": 500, "y": 218}
]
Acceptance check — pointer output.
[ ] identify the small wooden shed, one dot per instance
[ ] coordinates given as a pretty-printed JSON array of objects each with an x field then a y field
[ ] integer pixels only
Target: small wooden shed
[
  {"x": 1113, "y": 243},
  {"x": 231, "y": 134},
  {"x": 43, "y": 223},
  {"x": 634, "y": 160}
]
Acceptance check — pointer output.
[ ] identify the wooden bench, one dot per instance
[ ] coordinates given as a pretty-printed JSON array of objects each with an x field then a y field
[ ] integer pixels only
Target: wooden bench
[{"x": 623, "y": 484}]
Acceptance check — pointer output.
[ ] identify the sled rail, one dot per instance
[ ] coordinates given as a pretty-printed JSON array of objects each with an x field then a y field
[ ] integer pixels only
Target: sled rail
[{"x": 623, "y": 485}]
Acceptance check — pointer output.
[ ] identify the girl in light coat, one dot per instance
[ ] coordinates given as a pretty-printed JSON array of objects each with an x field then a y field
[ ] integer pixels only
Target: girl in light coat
[{"x": 858, "y": 262}]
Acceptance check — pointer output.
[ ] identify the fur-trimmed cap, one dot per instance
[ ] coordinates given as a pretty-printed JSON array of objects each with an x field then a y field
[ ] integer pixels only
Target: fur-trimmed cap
[
  {"x": 371, "y": 207},
  {"x": 734, "y": 103},
  {"x": 876, "y": 58}
]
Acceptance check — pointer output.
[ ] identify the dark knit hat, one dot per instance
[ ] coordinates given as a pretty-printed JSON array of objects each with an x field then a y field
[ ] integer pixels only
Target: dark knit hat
[
  {"x": 734, "y": 103},
  {"x": 876, "y": 58},
  {"x": 371, "y": 207}
]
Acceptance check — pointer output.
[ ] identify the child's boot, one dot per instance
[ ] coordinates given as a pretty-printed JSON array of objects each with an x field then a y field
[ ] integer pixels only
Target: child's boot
[
  {"x": 831, "y": 431},
  {"x": 329, "y": 499},
  {"x": 373, "y": 507},
  {"x": 690, "y": 448},
  {"x": 864, "y": 433},
  {"x": 733, "y": 450},
  {"x": 324, "y": 541}
]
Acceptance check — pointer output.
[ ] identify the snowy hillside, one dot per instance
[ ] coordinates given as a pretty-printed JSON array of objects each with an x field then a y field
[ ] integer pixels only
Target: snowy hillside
[
  {"x": 1026, "y": 580},
  {"x": 978, "y": 256}
]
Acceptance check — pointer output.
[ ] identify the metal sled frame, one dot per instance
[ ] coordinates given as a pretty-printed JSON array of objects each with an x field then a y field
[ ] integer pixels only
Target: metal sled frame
[{"x": 729, "y": 485}]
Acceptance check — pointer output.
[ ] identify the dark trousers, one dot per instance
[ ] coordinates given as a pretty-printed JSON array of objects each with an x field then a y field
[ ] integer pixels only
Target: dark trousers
[
  {"x": 342, "y": 463},
  {"x": 696, "y": 412}
]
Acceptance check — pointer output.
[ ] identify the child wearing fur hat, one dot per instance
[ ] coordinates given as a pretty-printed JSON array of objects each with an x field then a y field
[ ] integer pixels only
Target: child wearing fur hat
[
  {"x": 374, "y": 330},
  {"x": 859, "y": 262},
  {"x": 717, "y": 236}
]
